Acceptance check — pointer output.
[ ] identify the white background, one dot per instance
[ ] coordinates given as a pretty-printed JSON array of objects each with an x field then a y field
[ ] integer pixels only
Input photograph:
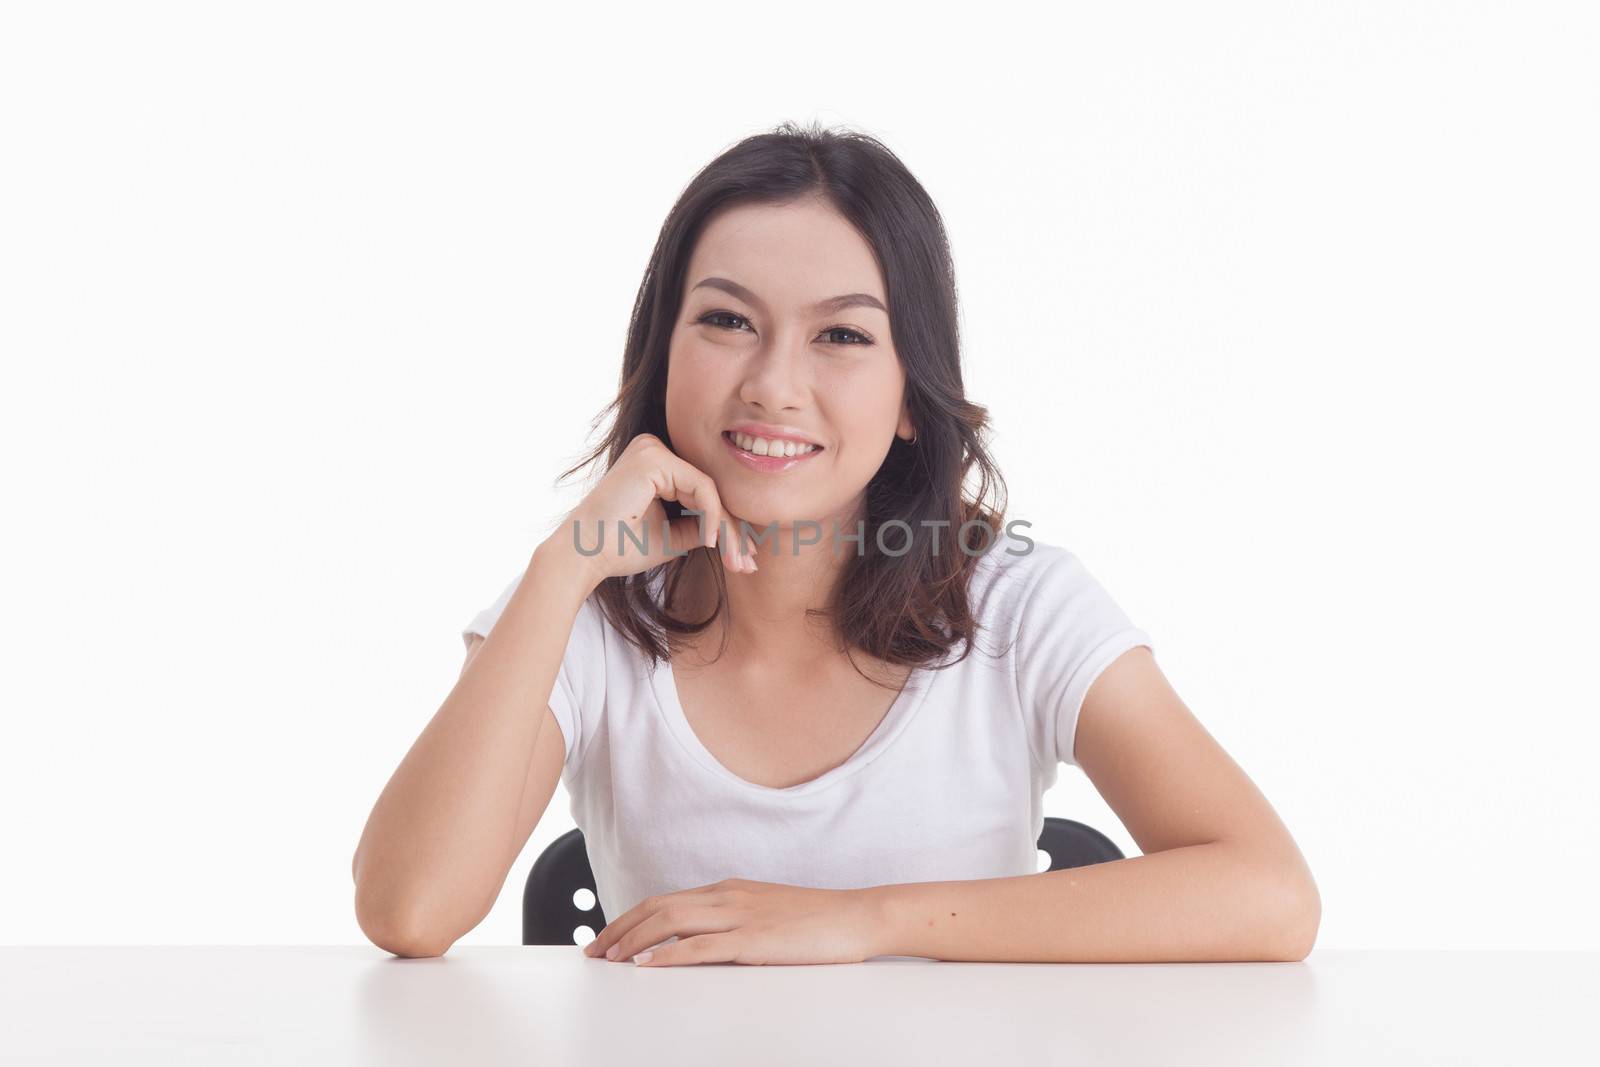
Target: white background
[{"x": 1285, "y": 315}]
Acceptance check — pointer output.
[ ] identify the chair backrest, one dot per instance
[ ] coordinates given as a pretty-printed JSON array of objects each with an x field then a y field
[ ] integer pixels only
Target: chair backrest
[{"x": 550, "y": 916}]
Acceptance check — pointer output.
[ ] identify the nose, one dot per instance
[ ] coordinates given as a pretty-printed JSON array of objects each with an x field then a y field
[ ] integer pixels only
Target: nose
[{"x": 778, "y": 375}]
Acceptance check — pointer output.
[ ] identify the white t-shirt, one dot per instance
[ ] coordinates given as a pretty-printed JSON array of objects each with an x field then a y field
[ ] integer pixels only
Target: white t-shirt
[{"x": 949, "y": 786}]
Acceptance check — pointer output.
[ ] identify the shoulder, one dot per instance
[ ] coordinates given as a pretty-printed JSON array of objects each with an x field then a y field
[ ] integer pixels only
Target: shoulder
[
  {"x": 1011, "y": 572},
  {"x": 1038, "y": 592}
]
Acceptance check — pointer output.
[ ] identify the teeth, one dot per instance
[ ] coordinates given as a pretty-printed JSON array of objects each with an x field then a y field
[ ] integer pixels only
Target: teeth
[{"x": 761, "y": 446}]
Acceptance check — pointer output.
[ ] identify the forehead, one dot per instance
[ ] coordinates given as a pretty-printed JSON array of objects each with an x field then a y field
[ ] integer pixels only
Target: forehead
[{"x": 793, "y": 253}]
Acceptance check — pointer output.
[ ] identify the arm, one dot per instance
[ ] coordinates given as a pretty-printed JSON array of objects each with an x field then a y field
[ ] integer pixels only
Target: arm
[
  {"x": 1221, "y": 879},
  {"x": 448, "y": 826}
]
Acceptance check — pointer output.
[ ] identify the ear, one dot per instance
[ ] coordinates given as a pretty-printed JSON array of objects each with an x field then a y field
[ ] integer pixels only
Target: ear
[{"x": 906, "y": 430}]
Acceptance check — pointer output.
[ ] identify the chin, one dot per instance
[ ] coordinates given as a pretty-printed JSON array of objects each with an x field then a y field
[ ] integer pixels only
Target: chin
[{"x": 761, "y": 514}]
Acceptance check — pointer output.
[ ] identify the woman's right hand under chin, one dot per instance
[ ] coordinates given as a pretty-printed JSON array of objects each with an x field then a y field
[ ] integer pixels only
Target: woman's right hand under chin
[{"x": 630, "y": 495}]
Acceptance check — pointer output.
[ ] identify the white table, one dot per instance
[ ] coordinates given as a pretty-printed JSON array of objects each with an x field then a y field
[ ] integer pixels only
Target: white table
[{"x": 552, "y": 1006}]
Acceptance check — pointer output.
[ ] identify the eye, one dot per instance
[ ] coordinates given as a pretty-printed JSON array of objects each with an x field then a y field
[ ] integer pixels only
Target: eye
[
  {"x": 862, "y": 339},
  {"x": 710, "y": 315},
  {"x": 719, "y": 320}
]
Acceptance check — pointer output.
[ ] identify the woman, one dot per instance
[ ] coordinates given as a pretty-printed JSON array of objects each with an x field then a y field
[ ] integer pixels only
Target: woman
[{"x": 814, "y": 722}]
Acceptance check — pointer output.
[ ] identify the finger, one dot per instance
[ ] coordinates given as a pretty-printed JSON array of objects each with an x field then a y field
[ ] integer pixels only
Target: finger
[
  {"x": 680, "y": 921},
  {"x": 691, "y": 487},
  {"x": 731, "y": 544},
  {"x": 702, "y": 948},
  {"x": 616, "y": 928},
  {"x": 742, "y": 560},
  {"x": 622, "y": 924},
  {"x": 700, "y": 530},
  {"x": 688, "y": 485},
  {"x": 684, "y": 535}
]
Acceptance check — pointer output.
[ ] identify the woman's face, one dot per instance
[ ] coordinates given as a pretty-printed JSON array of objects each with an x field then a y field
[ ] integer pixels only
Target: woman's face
[{"x": 756, "y": 341}]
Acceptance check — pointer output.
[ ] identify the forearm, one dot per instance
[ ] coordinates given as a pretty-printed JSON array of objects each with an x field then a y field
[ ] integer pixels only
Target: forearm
[
  {"x": 1210, "y": 902},
  {"x": 435, "y": 848}
]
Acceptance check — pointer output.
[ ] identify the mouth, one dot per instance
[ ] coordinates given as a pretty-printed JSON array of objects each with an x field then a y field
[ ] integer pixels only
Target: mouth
[{"x": 766, "y": 464}]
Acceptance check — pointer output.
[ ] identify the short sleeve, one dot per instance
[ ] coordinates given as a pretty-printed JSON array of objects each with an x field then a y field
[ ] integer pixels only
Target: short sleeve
[
  {"x": 1069, "y": 629},
  {"x": 578, "y": 696}
]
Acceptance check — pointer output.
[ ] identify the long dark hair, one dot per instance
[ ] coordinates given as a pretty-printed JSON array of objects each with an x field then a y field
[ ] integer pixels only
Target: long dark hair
[{"x": 904, "y": 609}]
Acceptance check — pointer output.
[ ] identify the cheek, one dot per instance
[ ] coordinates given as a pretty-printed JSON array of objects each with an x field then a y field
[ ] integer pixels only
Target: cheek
[
  {"x": 869, "y": 407},
  {"x": 696, "y": 383},
  {"x": 694, "y": 364}
]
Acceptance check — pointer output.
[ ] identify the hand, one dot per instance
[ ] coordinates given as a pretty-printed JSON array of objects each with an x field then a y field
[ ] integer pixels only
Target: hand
[
  {"x": 646, "y": 473},
  {"x": 740, "y": 921}
]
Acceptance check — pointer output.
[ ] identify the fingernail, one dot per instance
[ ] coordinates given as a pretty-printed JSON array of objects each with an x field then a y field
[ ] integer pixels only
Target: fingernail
[
  {"x": 611, "y": 953},
  {"x": 643, "y": 957}
]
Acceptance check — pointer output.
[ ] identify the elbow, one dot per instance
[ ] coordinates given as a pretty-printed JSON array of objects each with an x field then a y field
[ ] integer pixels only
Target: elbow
[
  {"x": 401, "y": 935},
  {"x": 1284, "y": 907},
  {"x": 410, "y": 942},
  {"x": 1298, "y": 916},
  {"x": 416, "y": 949}
]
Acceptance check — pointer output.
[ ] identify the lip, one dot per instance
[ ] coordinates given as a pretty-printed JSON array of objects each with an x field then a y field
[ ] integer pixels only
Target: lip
[
  {"x": 772, "y": 432},
  {"x": 765, "y": 464}
]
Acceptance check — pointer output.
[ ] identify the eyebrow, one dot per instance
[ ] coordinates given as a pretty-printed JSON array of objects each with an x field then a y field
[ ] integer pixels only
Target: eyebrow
[{"x": 830, "y": 305}]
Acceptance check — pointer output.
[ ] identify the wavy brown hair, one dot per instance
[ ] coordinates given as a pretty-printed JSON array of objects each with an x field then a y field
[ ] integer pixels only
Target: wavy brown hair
[{"x": 907, "y": 609}]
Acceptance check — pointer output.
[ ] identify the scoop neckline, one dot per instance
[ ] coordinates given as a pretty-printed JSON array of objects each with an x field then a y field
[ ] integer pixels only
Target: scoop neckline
[{"x": 664, "y": 684}]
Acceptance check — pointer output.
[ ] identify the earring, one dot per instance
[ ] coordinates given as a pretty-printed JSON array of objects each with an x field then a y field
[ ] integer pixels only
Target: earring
[{"x": 913, "y": 438}]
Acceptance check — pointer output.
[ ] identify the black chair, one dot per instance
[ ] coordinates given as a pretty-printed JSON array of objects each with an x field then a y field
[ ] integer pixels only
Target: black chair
[{"x": 549, "y": 916}]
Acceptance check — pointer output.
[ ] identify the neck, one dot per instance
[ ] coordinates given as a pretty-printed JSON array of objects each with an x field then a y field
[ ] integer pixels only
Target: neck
[{"x": 766, "y": 620}]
